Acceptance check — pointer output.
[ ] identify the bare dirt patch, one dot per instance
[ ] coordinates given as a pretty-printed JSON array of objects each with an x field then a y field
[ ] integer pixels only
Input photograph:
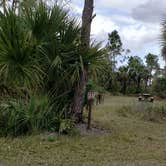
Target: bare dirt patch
[{"x": 94, "y": 131}]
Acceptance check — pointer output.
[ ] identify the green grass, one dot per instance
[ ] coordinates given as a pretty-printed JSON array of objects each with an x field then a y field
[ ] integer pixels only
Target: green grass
[{"x": 132, "y": 142}]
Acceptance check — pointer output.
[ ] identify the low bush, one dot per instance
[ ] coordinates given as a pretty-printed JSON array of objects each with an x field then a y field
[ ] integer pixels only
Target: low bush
[
  {"x": 159, "y": 87},
  {"x": 66, "y": 126},
  {"x": 22, "y": 117},
  {"x": 145, "y": 111}
]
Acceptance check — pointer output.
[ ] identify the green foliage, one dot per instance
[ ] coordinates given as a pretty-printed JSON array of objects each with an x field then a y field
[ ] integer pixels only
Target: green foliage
[
  {"x": 159, "y": 87},
  {"x": 66, "y": 126},
  {"x": 92, "y": 86},
  {"x": 19, "y": 65},
  {"x": 152, "y": 62},
  {"x": 114, "y": 47},
  {"x": 123, "y": 77},
  {"x": 51, "y": 139},
  {"x": 22, "y": 117},
  {"x": 39, "y": 55},
  {"x": 131, "y": 78},
  {"x": 114, "y": 43}
]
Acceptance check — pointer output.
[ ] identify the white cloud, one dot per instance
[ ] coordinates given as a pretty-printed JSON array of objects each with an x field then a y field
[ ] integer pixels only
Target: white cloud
[
  {"x": 103, "y": 24},
  {"x": 121, "y": 4},
  {"x": 123, "y": 19},
  {"x": 75, "y": 8},
  {"x": 136, "y": 36},
  {"x": 151, "y": 11}
]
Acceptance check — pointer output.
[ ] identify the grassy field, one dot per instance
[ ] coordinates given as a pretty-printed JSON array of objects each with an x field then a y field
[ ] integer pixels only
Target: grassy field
[{"x": 132, "y": 141}]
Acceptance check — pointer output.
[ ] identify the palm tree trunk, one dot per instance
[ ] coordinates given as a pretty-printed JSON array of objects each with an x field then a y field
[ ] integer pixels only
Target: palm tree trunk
[
  {"x": 86, "y": 24},
  {"x": 85, "y": 42},
  {"x": 79, "y": 96}
]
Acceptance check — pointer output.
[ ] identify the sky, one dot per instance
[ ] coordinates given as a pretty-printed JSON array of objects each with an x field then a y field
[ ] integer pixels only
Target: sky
[{"x": 137, "y": 21}]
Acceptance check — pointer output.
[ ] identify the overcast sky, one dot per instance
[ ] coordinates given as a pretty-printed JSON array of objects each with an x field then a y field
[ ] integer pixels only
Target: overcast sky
[{"x": 137, "y": 21}]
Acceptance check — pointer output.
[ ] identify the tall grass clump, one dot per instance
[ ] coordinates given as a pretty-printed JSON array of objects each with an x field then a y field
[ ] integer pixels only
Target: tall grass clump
[{"x": 146, "y": 111}]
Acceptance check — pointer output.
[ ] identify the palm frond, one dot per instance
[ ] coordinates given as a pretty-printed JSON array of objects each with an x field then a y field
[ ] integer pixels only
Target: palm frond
[{"x": 18, "y": 62}]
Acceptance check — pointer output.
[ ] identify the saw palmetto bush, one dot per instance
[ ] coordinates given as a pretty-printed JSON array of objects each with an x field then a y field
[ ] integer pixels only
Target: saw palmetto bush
[
  {"x": 40, "y": 56},
  {"x": 19, "y": 60},
  {"x": 18, "y": 117}
]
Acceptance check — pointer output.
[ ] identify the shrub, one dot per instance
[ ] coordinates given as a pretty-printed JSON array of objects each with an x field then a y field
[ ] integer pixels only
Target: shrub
[
  {"x": 66, "y": 126},
  {"x": 159, "y": 87},
  {"x": 20, "y": 117}
]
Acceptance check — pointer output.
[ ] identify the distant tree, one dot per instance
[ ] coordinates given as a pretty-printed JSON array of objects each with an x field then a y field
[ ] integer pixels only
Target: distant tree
[
  {"x": 159, "y": 87},
  {"x": 137, "y": 71},
  {"x": 123, "y": 77},
  {"x": 114, "y": 46},
  {"x": 152, "y": 62}
]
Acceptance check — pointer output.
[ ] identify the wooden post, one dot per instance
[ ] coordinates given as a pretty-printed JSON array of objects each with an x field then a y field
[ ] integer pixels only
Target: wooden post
[
  {"x": 90, "y": 102},
  {"x": 91, "y": 97}
]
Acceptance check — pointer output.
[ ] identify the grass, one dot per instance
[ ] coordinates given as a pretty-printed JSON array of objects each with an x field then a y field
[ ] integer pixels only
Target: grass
[{"x": 132, "y": 142}]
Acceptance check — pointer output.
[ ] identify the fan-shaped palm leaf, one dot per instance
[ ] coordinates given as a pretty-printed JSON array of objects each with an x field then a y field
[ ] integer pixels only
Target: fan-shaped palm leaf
[{"x": 18, "y": 62}]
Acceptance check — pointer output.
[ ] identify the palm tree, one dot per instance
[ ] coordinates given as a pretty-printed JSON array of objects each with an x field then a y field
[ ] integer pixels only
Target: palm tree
[
  {"x": 123, "y": 77},
  {"x": 40, "y": 51},
  {"x": 152, "y": 62},
  {"x": 136, "y": 71},
  {"x": 115, "y": 47},
  {"x": 18, "y": 63}
]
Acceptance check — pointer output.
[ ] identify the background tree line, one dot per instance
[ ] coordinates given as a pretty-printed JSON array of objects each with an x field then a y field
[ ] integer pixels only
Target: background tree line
[{"x": 134, "y": 76}]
